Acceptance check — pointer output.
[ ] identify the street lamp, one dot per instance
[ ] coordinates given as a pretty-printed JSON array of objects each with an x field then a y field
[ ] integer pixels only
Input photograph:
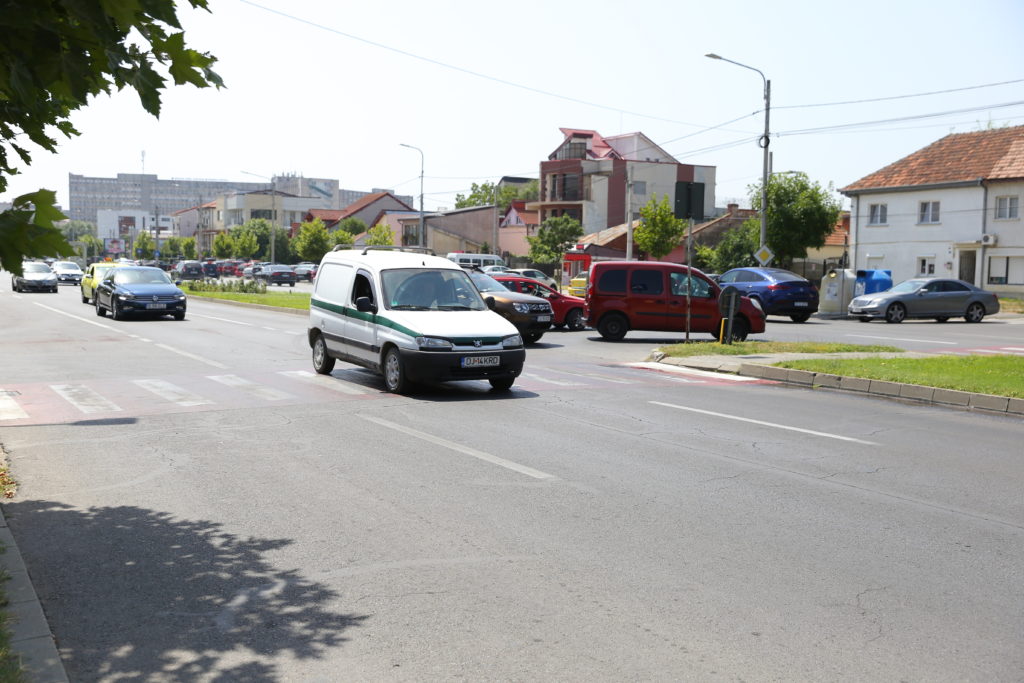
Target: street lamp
[
  {"x": 273, "y": 210},
  {"x": 763, "y": 142},
  {"x": 422, "y": 237}
]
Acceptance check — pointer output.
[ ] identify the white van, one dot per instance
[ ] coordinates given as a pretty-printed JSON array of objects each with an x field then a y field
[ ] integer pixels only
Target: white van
[
  {"x": 478, "y": 260},
  {"x": 411, "y": 316}
]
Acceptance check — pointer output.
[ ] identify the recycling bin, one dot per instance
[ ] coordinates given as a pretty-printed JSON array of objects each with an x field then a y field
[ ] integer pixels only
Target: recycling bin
[
  {"x": 836, "y": 291},
  {"x": 871, "y": 281}
]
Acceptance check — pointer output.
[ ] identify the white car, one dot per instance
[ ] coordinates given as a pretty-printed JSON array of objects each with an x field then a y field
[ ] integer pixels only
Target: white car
[
  {"x": 68, "y": 271},
  {"x": 538, "y": 275}
]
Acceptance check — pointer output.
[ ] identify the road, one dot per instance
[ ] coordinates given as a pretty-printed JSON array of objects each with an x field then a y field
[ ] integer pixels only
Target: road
[{"x": 196, "y": 505}]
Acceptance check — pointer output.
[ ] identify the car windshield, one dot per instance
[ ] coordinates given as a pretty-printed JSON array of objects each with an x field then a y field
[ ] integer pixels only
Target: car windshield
[
  {"x": 35, "y": 268},
  {"x": 486, "y": 283},
  {"x": 419, "y": 289},
  {"x": 66, "y": 265},
  {"x": 149, "y": 276},
  {"x": 907, "y": 286}
]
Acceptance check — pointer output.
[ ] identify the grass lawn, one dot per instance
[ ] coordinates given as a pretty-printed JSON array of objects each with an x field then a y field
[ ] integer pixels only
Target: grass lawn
[
  {"x": 998, "y": 375},
  {"x": 299, "y": 300},
  {"x": 747, "y": 348},
  {"x": 1011, "y": 305}
]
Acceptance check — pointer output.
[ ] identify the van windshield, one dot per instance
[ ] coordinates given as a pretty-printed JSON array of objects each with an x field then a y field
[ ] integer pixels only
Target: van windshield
[{"x": 421, "y": 289}]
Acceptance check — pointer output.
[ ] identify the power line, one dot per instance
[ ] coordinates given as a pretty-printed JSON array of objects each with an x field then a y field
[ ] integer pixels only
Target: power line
[
  {"x": 806, "y": 131},
  {"x": 900, "y": 97}
]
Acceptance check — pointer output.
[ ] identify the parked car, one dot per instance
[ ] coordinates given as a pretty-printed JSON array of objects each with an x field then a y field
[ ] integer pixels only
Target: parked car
[
  {"x": 138, "y": 289},
  {"x": 777, "y": 291},
  {"x": 652, "y": 295},
  {"x": 35, "y": 276},
  {"x": 67, "y": 272},
  {"x": 531, "y": 315},
  {"x": 305, "y": 270},
  {"x": 938, "y": 298},
  {"x": 567, "y": 311},
  {"x": 578, "y": 285},
  {"x": 94, "y": 272},
  {"x": 535, "y": 274},
  {"x": 187, "y": 270},
  {"x": 276, "y": 274},
  {"x": 210, "y": 269},
  {"x": 494, "y": 270}
]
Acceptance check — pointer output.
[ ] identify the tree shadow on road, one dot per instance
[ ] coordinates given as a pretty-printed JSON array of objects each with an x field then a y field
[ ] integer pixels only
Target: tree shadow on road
[{"x": 131, "y": 593}]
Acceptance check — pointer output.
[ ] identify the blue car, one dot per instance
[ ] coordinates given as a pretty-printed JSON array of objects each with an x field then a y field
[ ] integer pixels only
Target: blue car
[
  {"x": 776, "y": 291},
  {"x": 138, "y": 289}
]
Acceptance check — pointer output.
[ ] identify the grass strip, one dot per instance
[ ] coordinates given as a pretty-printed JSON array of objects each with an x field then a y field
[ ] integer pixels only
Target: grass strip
[
  {"x": 749, "y": 348},
  {"x": 297, "y": 300},
  {"x": 998, "y": 375},
  {"x": 1011, "y": 305}
]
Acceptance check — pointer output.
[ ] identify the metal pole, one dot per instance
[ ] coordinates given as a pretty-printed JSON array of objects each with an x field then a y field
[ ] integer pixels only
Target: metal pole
[
  {"x": 422, "y": 237},
  {"x": 689, "y": 275},
  {"x": 273, "y": 223},
  {"x": 629, "y": 212}
]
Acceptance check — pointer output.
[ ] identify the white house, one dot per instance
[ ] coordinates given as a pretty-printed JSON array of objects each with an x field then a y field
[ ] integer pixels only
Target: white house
[{"x": 951, "y": 209}]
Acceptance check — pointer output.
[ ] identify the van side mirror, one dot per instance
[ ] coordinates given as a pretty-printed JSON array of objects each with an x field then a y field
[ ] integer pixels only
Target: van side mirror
[
  {"x": 490, "y": 302},
  {"x": 364, "y": 305}
]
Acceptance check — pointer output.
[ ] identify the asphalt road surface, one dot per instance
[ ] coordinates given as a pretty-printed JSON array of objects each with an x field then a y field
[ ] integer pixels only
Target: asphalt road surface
[{"x": 195, "y": 504}]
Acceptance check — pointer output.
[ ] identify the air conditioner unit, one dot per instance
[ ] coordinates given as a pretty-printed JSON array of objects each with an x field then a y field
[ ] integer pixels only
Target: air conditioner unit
[{"x": 988, "y": 240}]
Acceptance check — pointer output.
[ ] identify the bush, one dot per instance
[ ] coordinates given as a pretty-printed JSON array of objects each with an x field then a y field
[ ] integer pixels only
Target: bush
[{"x": 240, "y": 286}]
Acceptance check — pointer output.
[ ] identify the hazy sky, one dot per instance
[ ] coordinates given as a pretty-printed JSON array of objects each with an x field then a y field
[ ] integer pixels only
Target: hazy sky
[{"x": 329, "y": 88}]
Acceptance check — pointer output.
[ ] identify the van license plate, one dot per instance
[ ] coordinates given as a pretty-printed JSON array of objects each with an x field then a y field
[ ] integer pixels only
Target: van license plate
[
  {"x": 155, "y": 306},
  {"x": 480, "y": 361}
]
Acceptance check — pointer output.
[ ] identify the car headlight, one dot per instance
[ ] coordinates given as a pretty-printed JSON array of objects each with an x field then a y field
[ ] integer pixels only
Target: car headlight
[
  {"x": 521, "y": 308},
  {"x": 434, "y": 343},
  {"x": 180, "y": 297},
  {"x": 512, "y": 341},
  {"x": 126, "y": 297}
]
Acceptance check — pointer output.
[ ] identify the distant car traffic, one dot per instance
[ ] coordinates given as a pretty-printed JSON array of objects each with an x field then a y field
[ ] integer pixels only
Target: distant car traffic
[
  {"x": 567, "y": 310},
  {"x": 94, "y": 272},
  {"x": 138, "y": 289},
  {"x": 67, "y": 271},
  {"x": 35, "y": 276},
  {"x": 276, "y": 274},
  {"x": 937, "y": 298},
  {"x": 306, "y": 270},
  {"x": 187, "y": 270},
  {"x": 776, "y": 291},
  {"x": 535, "y": 274},
  {"x": 531, "y": 315}
]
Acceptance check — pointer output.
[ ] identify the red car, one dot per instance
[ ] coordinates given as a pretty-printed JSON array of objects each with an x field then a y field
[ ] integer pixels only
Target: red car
[{"x": 568, "y": 310}]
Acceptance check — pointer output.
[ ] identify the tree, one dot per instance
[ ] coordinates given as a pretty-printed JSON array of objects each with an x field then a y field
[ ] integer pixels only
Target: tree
[
  {"x": 172, "y": 247},
  {"x": 553, "y": 238},
  {"x": 223, "y": 245},
  {"x": 282, "y": 246},
  {"x": 313, "y": 241},
  {"x": 55, "y": 57},
  {"x": 260, "y": 229},
  {"x": 93, "y": 246},
  {"x": 379, "y": 235},
  {"x": 353, "y": 225},
  {"x": 144, "y": 246},
  {"x": 188, "y": 247},
  {"x": 342, "y": 237},
  {"x": 801, "y": 215},
  {"x": 245, "y": 244},
  {"x": 704, "y": 258},
  {"x": 74, "y": 231},
  {"x": 659, "y": 231},
  {"x": 736, "y": 250},
  {"x": 483, "y": 195}
]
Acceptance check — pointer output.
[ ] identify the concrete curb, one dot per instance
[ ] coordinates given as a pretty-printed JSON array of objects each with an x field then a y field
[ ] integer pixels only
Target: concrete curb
[
  {"x": 762, "y": 368},
  {"x": 31, "y": 638}
]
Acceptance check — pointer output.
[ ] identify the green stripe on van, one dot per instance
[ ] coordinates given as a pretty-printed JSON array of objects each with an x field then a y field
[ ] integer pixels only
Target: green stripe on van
[{"x": 359, "y": 315}]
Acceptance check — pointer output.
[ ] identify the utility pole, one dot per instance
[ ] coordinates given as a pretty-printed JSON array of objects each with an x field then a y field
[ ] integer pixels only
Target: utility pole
[{"x": 629, "y": 212}]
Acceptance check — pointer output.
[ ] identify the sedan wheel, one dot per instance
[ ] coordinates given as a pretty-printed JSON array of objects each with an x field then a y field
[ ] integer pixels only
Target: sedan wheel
[
  {"x": 532, "y": 337},
  {"x": 574, "y": 320},
  {"x": 975, "y": 312},
  {"x": 115, "y": 310},
  {"x": 896, "y": 313},
  {"x": 941, "y": 319},
  {"x": 800, "y": 317},
  {"x": 100, "y": 311}
]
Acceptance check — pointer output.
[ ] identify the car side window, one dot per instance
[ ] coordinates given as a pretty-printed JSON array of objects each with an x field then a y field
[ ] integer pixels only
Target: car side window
[
  {"x": 647, "y": 282},
  {"x": 954, "y": 287},
  {"x": 698, "y": 287},
  {"x": 728, "y": 277},
  {"x": 362, "y": 287},
  {"x": 612, "y": 281}
]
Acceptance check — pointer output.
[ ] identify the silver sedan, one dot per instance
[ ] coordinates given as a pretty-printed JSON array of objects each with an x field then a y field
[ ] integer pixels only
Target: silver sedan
[{"x": 937, "y": 298}]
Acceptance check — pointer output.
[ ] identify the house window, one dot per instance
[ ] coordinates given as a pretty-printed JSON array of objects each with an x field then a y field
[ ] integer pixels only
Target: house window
[
  {"x": 639, "y": 187},
  {"x": 879, "y": 214},
  {"x": 929, "y": 212},
  {"x": 1006, "y": 270},
  {"x": 926, "y": 265},
  {"x": 1007, "y": 207}
]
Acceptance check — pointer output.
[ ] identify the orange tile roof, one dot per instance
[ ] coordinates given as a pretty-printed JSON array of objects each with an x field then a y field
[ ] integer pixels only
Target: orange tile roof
[{"x": 996, "y": 154}]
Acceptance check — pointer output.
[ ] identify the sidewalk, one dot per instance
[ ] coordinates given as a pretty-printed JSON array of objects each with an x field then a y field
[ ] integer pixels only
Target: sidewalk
[{"x": 760, "y": 366}]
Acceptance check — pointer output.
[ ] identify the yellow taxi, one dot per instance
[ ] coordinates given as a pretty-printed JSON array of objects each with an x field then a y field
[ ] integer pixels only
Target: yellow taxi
[
  {"x": 93, "y": 274},
  {"x": 578, "y": 285}
]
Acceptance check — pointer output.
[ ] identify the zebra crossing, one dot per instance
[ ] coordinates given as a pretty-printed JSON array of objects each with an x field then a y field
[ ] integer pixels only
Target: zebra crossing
[{"x": 63, "y": 402}]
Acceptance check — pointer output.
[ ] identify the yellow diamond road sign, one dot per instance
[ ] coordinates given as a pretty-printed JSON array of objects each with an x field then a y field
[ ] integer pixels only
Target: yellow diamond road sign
[{"x": 764, "y": 255}]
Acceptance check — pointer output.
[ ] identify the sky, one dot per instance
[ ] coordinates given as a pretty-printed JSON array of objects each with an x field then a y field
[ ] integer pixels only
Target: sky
[{"x": 331, "y": 88}]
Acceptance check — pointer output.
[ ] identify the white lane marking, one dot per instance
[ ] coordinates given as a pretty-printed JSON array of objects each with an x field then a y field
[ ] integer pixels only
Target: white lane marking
[
  {"x": 923, "y": 341},
  {"x": 258, "y": 390},
  {"x": 193, "y": 356},
  {"x": 84, "y": 398},
  {"x": 664, "y": 367},
  {"x": 223, "y": 320},
  {"x": 332, "y": 383},
  {"x": 81, "y": 319},
  {"x": 765, "y": 424},
  {"x": 1012, "y": 348},
  {"x": 548, "y": 380},
  {"x": 486, "y": 457},
  {"x": 271, "y": 329},
  {"x": 9, "y": 408},
  {"x": 171, "y": 392},
  {"x": 594, "y": 375}
]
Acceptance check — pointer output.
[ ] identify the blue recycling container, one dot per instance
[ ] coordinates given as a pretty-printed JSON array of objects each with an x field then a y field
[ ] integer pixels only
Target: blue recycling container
[{"x": 872, "y": 280}]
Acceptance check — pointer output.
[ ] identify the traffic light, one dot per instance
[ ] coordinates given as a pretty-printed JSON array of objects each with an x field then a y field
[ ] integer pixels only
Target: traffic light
[{"x": 689, "y": 200}]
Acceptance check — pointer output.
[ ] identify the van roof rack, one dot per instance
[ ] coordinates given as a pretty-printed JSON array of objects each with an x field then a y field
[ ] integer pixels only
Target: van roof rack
[{"x": 385, "y": 247}]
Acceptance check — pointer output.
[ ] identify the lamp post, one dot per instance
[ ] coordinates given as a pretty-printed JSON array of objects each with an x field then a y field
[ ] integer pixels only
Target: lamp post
[
  {"x": 422, "y": 237},
  {"x": 763, "y": 142},
  {"x": 273, "y": 211}
]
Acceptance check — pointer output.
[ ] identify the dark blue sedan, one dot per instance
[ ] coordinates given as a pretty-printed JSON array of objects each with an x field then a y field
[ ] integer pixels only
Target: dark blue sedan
[
  {"x": 138, "y": 289},
  {"x": 776, "y": 291}
]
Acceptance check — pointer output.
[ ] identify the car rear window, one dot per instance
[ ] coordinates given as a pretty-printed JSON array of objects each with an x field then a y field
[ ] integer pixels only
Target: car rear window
[
  {"x": 786, "y": 276},
  {"x": 612, "y": 280}
]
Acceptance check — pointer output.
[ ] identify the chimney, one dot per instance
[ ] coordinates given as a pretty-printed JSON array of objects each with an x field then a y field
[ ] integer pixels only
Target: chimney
[{"x": 731, "y": 209}]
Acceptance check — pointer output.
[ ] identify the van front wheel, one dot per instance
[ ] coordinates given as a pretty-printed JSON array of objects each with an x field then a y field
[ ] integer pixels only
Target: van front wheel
[
  {"x": 323, "y": 362},
  {"x": 394, "y": 372},
  {"x": 613, "y": 327}
]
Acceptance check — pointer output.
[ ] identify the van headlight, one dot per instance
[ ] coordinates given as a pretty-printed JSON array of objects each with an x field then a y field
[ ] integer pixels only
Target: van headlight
[
  {"x": 512, "y": 341},
  {"x": 433, "y": 343},
  {"x": 521, "y": 308}
]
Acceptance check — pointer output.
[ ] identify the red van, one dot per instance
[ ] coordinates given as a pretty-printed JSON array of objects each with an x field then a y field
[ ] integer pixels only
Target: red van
[{"x": 651, "y": 295}]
